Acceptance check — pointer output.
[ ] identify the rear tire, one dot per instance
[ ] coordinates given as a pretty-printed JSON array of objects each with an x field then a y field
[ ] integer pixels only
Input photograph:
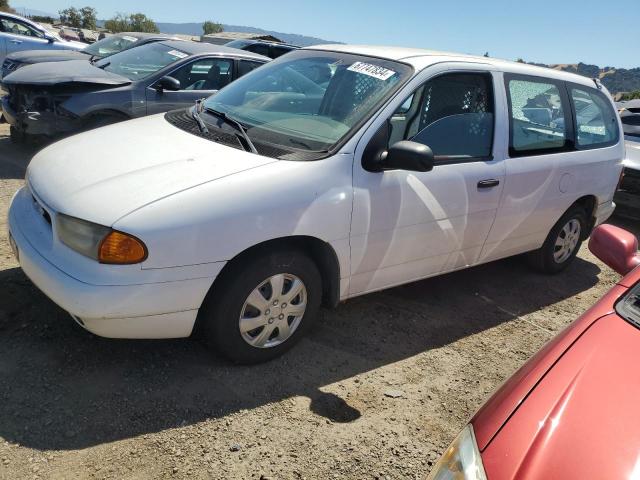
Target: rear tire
[
  {"x": 262, "y": 306},
  {"x": 562, "y": 244}
]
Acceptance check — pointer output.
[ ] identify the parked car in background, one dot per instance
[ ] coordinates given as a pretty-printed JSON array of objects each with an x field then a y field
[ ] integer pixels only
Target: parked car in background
[
  {"x": 630, "y": 115},
  {"x": 101, "y": 49},
  {"x": 571, "y": 411},
  {"x": 263, "y": 47},
  {"x": 236, "y": 218},
  {"x": 51, "y": 99},
  {"x": 19, "y": 34},
  {"x": 631, "y": 181}
]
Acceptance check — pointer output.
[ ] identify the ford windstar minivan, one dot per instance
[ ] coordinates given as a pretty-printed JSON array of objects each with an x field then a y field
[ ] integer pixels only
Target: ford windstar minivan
[{"x": 329, "y": 173}]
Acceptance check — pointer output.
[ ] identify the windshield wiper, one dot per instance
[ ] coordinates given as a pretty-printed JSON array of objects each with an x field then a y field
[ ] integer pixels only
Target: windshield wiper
[
  {"x": 238, "y": 126},
  {"x": 195, "y": 113}
]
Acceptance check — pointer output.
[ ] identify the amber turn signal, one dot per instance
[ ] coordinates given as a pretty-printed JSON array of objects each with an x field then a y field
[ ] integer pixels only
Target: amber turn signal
[{"x": 122, "y": 249}]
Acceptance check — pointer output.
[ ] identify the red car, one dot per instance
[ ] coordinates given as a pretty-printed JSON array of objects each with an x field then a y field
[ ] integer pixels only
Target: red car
[{"x": 573, "y": 410}]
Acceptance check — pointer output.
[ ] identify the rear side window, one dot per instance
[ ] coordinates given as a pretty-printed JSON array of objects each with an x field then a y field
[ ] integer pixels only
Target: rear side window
[
  {"x": 596, "y": 122},
  {"x": 258, "y": 48},
  {"x": 245, "y": 66},
  {"x": 538, "y": 116}
]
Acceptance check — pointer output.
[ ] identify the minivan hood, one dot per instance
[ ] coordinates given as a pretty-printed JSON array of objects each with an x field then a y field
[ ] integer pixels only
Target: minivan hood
[
  {"x": 39, "y": 56},
  {"x": 581, "y": 420},
  {"x": 104, "y": 174},
  {"x": 54, "y": 73}
]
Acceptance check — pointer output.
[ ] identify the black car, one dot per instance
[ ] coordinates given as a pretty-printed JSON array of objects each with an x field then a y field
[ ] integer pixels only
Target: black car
[
  {"x": 263, "y": 47},
  {"x": 630, "y": 116},
  {"x": 48, "y": 100},
  {"x": 101, "y": 49}
]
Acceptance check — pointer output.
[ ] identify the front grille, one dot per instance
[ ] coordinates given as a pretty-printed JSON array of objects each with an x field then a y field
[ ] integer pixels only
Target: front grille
[{"x": 41, "y": 210}]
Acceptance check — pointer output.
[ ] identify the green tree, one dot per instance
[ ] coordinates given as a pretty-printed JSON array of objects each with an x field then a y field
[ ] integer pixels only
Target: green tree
[
  {"x": 137, "y": 22},
  {"x": 630, "y": 95},
  {"x": 141, "y": 23},
  {"x": 89, "y": 17},
  {"x": 209, "y": 27},
  {"x": 42, "y": 19},
  {"x": 71, "y": 17},
  {"x": 119, "y": 23},
  {"x": 5, "y": 7}
]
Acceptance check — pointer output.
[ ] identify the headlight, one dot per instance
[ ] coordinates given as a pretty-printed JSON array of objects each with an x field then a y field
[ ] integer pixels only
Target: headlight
[
  {"x": 461, "y": 461},
  {"x": 99, "y": 242}
]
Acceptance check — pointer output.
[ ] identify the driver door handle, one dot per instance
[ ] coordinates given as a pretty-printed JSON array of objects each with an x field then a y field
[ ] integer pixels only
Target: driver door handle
[
  {"x": 16, "y": 41},
  {"x": 488, "y": 183}
]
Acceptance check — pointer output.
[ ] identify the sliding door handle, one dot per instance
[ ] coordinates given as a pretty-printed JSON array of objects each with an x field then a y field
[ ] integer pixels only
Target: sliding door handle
[{"x": 489, "y": 183}]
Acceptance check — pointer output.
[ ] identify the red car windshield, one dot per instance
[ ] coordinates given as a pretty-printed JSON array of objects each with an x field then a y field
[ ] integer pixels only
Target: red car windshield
[{"x": 629, "y": 307}]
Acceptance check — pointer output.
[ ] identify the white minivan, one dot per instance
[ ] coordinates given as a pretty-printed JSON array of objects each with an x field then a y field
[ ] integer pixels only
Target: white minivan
[{"x": 329, "y": 173}]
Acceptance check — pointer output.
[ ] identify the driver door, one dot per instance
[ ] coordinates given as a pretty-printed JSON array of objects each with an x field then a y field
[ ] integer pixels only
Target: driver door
[
  {"x": 198, "y": 79},
  {"x": 19, "y": 36},
  {"x": 409, "y": 225}
]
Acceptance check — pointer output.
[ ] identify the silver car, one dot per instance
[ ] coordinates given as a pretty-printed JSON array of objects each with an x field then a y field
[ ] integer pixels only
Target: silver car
[
  {"x": 52, "y": 99},
  {"x": 18, "y": 34},
  {"x": 101, "y": 49}
]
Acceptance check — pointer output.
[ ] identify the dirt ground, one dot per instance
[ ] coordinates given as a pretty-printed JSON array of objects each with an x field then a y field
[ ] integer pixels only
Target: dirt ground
[{"x": 73, "y": 405}]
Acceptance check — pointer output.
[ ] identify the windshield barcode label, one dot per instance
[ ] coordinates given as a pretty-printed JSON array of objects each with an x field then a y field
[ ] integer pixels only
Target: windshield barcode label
[
  {"x": 374, "y": 71},
  {"x": 177, "y": 53}
]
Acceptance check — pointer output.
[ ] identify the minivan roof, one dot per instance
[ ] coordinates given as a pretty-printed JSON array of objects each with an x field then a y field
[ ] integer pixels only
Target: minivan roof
[{"x": 422, "y": 58}]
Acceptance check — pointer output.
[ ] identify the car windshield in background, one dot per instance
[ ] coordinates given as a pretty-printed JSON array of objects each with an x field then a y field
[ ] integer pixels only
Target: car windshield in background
[
  {"x": 140, "y": 62},
  {"x": 110, "y": 45},
  {"x": 629, "y": 306},
  {"x": 309, "y": 100}
]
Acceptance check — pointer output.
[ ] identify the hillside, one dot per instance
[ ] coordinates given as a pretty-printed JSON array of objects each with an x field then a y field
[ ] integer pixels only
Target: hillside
[
  {"x": 615, "y": 79},
  {"x": 196, "y": 29}
]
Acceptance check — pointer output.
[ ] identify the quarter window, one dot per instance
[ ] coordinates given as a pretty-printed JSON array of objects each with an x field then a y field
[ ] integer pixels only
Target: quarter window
[
  {"x": 537, "y": 116},
  {"x": 596, "y": 122},
  {"x": 245, "y": 66},
  {"x": 453, "y": 114}
]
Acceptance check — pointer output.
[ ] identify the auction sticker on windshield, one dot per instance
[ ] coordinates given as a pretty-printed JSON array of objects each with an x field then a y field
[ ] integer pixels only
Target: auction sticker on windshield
[
  {"x": 374, "y": 71},
  {"x": 177, "y": 54},
  {"x": 129, "y": 39}
]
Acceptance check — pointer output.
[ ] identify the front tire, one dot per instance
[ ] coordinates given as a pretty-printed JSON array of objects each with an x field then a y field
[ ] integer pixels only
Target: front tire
[
  {"x": 562, "y": 244},
  {"x": 262, "y": 306}
]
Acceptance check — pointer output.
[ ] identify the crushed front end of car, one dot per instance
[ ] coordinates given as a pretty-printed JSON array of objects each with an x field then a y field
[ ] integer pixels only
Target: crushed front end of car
[{"x": 37, "y": 110}]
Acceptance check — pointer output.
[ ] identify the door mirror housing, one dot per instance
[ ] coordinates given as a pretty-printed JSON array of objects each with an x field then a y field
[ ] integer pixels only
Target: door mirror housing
[
  {"x": 615, "y": 247},
  {"x": 403, "y": 155},
  {"x": 408, "y": 155},
  {"x": 49, "y": 38},
  {"x": 167, "y": 83}
]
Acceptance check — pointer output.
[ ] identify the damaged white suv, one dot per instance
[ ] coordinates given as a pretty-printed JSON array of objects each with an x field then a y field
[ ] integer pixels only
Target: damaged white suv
[{"x": 329, "y": 173}]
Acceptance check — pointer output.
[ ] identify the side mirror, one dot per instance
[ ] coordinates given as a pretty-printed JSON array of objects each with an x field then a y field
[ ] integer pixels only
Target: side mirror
[
  {"x": 49, "y": 38},
  {"x": 404, "y": 155},
  {"x": 167, "y": 83},
  {"x": 408, "y": 155},
  {"x": 615, "y": 247}
]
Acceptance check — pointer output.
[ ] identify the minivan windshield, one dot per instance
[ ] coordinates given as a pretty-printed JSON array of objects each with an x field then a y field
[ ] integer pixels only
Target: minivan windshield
[
  {"x": 140, "y": 62},
  {"x": 309, "y": 100},
  {"x": 110, "y": 45}
]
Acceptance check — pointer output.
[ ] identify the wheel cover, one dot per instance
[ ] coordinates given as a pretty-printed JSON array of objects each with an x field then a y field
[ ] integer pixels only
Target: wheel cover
[
  {"x": 567, "y": 240},
  {"x": 273, "y": 311}
]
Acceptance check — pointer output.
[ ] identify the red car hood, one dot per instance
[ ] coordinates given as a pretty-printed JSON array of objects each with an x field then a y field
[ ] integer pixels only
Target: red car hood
[{"x": 582, "y": 420}]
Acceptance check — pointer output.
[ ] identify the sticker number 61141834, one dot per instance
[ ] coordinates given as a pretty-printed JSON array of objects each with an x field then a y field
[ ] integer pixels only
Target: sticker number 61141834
[{"x": 371, "y": 70}]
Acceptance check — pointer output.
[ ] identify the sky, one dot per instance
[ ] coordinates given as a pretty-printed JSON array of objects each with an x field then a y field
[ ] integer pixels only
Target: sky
[{"x": 545, "y": 31}]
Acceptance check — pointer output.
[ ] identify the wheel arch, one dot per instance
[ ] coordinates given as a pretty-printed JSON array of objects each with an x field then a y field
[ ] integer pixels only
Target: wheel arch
[
  {"x": 589, "y": 203},
  {"x": 321, "y": 252}
]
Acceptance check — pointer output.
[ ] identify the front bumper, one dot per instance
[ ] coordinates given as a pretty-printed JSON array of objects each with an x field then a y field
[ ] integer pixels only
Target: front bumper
[
  {"x": 149, "y": 310},
  {"x": 37, "y": 123},
  {"x": 603, "y": 212}
]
